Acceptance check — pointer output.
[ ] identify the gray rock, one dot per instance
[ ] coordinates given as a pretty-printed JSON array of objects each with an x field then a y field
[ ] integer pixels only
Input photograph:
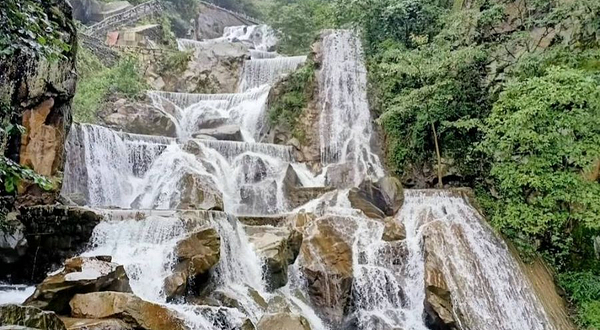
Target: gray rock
[
  {"x": 225, "y": 133},
  {"x": 13, "y": 244},
  {"x": 79, "y": 275},
  {"x": 280, "y": 321},
  {"x": 26, "y": 317}
]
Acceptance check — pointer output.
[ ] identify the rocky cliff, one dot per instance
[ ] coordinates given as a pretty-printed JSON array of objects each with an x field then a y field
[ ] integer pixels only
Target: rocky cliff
[{"x": 37, "y": 93}]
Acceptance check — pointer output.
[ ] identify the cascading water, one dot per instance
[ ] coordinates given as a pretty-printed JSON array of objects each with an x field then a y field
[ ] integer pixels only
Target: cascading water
[
  {"x": 267, "y": 71},
  {"x": 488, "y": 288},
  {"x": 110, "y": 168},
  {"x": 345, "y": 123},
  {"x": 258, "y": 37}
]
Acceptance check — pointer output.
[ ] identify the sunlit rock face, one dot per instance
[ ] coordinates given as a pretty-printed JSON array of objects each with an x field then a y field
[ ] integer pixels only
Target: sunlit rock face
[{"x": 38, "y": 94}]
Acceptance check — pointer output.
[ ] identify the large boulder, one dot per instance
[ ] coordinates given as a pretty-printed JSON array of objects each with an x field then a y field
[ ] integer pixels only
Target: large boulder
[
  {"x": 377, "y": 199},
  {"x": 127, "y": 307},
  {"x": 326, "y": 261},
  {"x": 95, "y": 324},
  {"x": 138, "y": 117},
  {"x": 79, "y": 275},
  {"x": 280, "y": 321},
  {"x": 13, "y": 244},
  {"x": 224, "y": 133},
  {"x": 279, "y": 247},
  {"x": 15, "y": 316},
  {"x": 198, "y": 192},
  {"x": 213, "y": 68},
  {"x": 196, "y": 254}
]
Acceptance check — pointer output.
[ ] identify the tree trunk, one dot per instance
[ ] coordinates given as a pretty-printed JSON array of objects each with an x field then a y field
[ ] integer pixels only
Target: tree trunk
[{"x": 439, "y": 157}]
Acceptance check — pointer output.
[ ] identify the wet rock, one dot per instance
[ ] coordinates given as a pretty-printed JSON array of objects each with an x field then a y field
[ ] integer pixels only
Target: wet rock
[
  {"x": 126, "y": 307},
  {"x": 253, "y": 168},
  {"x": 176, "y": 283},
  {"x": 339, "y": 175},
  {"x": 377, "y": 199},
  {"x": 326, "y": 261},
  {"x": 198, "y": 192},
  {"x": 202, "y": 249},
  {"x": 287, "y": 321},
  {"x": 54, "y": 233},
  {"x": 137, "y": 117},
  {"x": 277, "y": 247},
  {"x": 363, "y": 203},
  {"x": 196, "y": 255},
  {"x": 224, "y": 133},
  {"x": 438, "y": 303},
  {"x": 394, "y": 230},
  {"x": 261, "y": 196},
  {"x": 79, "y": 275},
  {"x": 13, "y": 244},
  {"x": 95, "y": 324},
  {"x": 14, "y": 316}
]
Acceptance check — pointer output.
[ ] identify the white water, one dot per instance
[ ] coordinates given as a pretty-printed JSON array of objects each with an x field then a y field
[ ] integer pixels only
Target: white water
[
  {"x": 116, "y": 169},
  {"x": 257, "y": 37},
  {"x": 15, "y": 294},
  {"x": 345, "y": 122},
  {"x": 259, "y": 72},
  {"x": 488, "y": 287}
]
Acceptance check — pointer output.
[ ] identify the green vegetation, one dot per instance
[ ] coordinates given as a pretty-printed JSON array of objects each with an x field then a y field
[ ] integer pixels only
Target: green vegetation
[
  {"x": 509, "y": 91},
  {"x": 28, "y": 27},
  {"x": 295, "y": 91},
  {"x": 298, "y": 23},
  {"x": 97, "y": 82}
]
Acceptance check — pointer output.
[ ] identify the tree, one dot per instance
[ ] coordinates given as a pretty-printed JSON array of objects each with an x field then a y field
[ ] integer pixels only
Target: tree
[{"x": 542, "y": 136}]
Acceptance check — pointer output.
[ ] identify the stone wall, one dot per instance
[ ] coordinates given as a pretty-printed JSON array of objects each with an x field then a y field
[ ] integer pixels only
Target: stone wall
[
  {"x": 212, "y": 20},
  {"x": 52, "y": 234},
  {"x": 125, "y": 18}
]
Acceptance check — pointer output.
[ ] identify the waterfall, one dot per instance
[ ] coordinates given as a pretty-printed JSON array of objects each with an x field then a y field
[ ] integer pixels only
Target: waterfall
[
  {"x": 258, "y": 37},
  {"x": 104, "y": 166},
  {"x": 345, "y": 122},
  {"x": 267, "y": 71},
  {"x": 143, "y": 176},
  {"x": 192, "y": 112},
  {"x": 488, "y": 287}
]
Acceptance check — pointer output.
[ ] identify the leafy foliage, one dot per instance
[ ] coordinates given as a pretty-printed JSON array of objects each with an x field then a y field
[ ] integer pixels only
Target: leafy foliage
[
  {"x": 542, "y": 134},
  {"x": 299, "y": 22},
  {"x": 295, "y": 92},
  {"x": 428, "y": 86},
  {"x": 584, "y": 289},
  {"x": 96, "y": 82},
  {"x": 25, "y": 26}
]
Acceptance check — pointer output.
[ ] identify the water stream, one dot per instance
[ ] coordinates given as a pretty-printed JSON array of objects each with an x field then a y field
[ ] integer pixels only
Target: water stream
[{"x": 137, "y": 172}]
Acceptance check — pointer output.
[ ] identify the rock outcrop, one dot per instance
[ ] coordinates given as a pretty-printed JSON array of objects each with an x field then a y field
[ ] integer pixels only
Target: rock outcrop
[
  {"x": 52, "y": 233},
  {"x": 198, "y": 192},
  {"x": 213, "y": 68},
  {"x": 127, "y": 307},
  {"x": 280, "y": 321},
  {"x": 377, "y": 199},
  {"x": 326, "y": 261},
  {"x": 196, "y": 254},
  {"x": 79, "y": 275},
  {"x": 279, "y": 247},
  {"x": 27, "y": 317},
  {"x": 139, "y": 117},
  {"x": 37, "y": 94}
]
